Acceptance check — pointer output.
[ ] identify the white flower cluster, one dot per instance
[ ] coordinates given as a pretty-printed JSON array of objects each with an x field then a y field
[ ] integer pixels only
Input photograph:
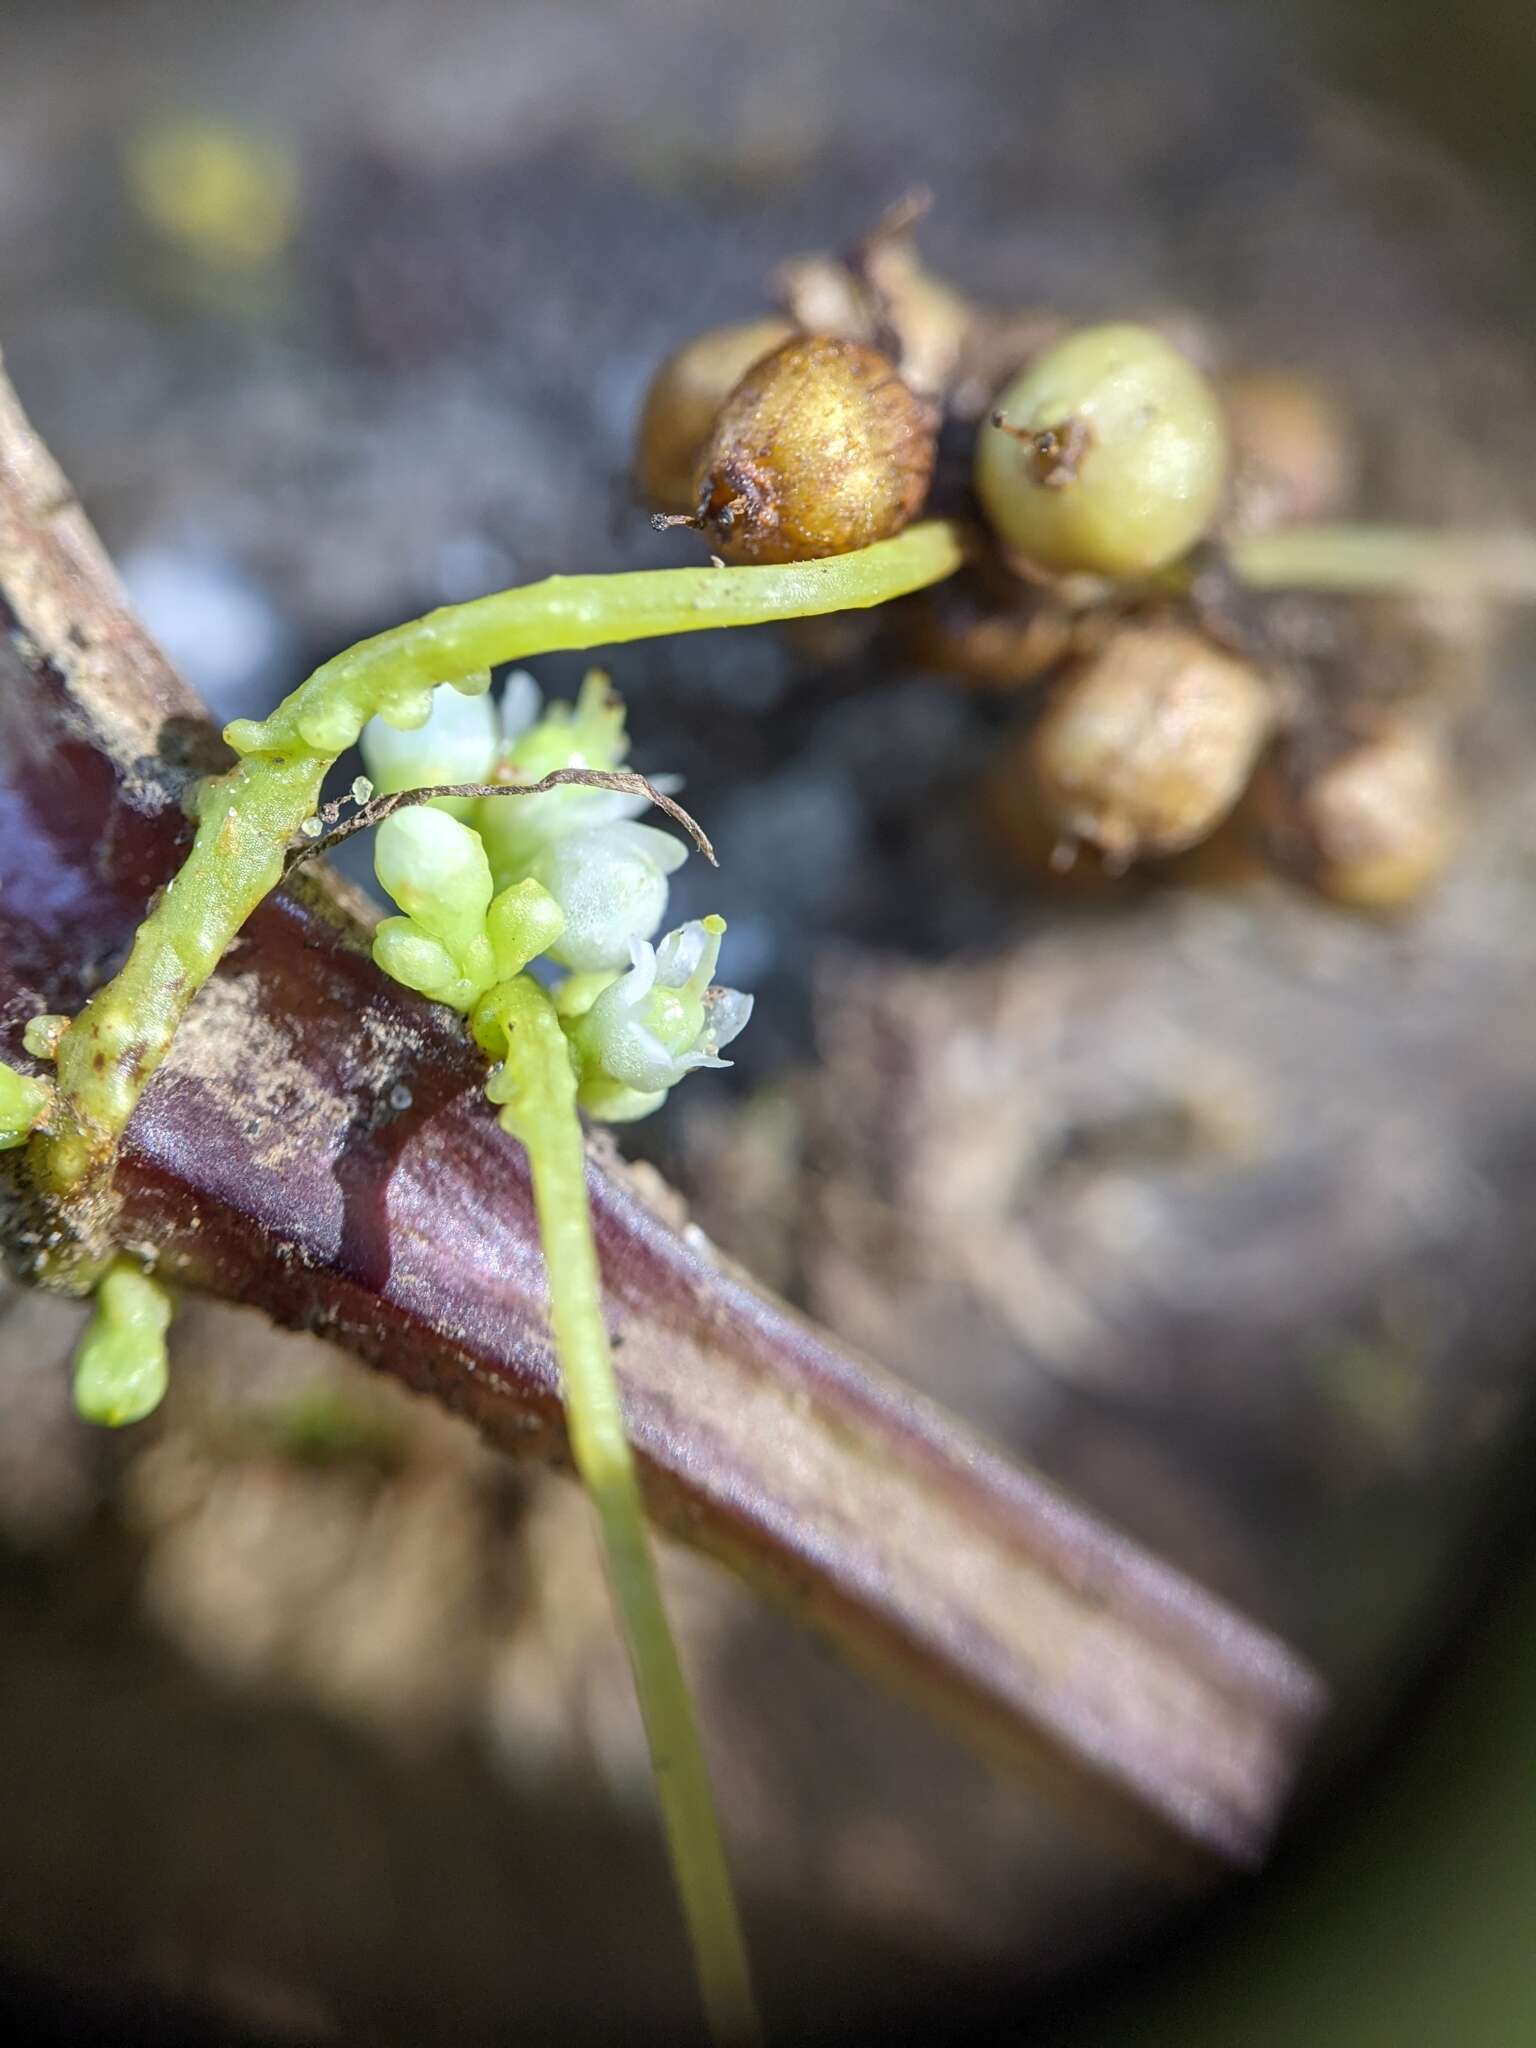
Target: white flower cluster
[{"x": 487, "y": 885}]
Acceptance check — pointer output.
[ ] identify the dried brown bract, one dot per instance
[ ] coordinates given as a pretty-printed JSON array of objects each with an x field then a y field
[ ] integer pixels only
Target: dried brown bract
[{"x": 882, "y": 294}]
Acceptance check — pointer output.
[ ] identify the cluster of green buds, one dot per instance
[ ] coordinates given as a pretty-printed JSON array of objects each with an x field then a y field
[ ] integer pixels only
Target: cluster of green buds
[{"x": 486, "y": 885}]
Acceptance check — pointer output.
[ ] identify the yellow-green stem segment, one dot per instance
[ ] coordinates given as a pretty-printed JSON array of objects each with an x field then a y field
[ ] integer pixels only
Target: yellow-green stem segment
[
  {"x": 572, "y": 612},
  {"x": 1357, "y": 559},
  {"x": 248, "y": 818},
  {"x": 516, "y": 1022}
]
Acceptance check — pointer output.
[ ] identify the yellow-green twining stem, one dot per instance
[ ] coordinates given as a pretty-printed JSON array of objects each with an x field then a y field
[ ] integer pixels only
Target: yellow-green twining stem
[
  {"x": 1386, "y": 558},
  {"x": 245, "y": 822},
  {"x": 568, "y": 612},
  {"x": 248, "y": 818},
  {"x": 536, "y": 1085}
]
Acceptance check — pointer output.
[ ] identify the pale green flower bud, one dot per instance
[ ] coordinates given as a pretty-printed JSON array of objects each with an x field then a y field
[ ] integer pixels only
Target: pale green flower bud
[
  {"x": 405, "y": 953},
  {"x": 22, "y": 1103},
  {"x": 436, "y": 870},
  {"x": 611, "y": 1102},
  {"x": 41, "y": 1035},
  {"x": 121, "y": 1365},
  {"x": 522, "y": 922},
  {"x": 612, "y": 886}
]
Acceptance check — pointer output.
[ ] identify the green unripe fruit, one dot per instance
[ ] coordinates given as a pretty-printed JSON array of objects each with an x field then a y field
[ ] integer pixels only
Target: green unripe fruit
[{"x": 1107, "y": 456}]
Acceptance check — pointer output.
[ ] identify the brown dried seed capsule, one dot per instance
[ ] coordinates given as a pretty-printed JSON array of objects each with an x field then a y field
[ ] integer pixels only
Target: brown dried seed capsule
[
  {"x": 1376, "y": 826},
  {"x": 1146, "y": 746},
  {"x": 964, "y": 629},
  {"x": 820, "y": 449},
  {"x": 684, "y": 396},
  {"x": 1293, "y": 456},
  {"x": 1017, "y": 821},
  {"x": 1424, "y": 652},
  {"x": 1236, "y": 855}
]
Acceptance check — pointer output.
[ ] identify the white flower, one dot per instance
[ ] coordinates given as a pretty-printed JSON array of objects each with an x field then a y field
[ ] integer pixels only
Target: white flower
[
  {"x": 521, "y": 702},
  {"x": 659, "y": 1022},
  {"x": 568, "y": 874},
  {"x": 536, "y": 740},
  {"x": 612, "y": 886},
  {"x": 458, "y": 743}
]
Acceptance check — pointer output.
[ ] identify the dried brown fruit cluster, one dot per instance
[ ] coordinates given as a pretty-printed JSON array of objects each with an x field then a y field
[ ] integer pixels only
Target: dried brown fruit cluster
[{"x": 1112, "y": 464}]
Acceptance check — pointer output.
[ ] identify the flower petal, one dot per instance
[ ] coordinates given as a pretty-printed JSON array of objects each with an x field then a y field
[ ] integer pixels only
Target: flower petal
[{"x": 727, "y": 1011}]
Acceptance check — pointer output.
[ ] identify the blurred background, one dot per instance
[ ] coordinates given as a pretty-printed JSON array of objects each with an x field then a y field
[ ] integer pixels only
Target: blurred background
[{"x": 311, "y": 1726}]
